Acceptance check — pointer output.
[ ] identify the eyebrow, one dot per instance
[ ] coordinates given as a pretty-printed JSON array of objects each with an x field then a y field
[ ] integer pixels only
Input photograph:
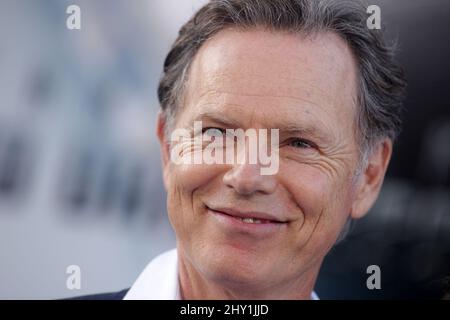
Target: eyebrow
[
  {"x": 214, "y": 117},
  {"x": 308, "y": 131}
]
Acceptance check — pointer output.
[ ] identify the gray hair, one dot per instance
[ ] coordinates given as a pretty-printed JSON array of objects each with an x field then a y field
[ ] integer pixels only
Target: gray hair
[{"x": 381, "y": 84}]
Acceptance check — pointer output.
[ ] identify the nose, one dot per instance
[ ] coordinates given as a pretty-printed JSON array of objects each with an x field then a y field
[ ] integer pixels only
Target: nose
[{"x": 246, "y": 178}]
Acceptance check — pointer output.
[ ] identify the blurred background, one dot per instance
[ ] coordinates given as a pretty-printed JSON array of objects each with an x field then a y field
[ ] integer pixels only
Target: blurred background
[{"x": 80, "y": 179}]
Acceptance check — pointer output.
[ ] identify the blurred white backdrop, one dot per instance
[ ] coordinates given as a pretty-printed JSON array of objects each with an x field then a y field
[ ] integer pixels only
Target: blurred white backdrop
[{"x": 80, "y": 178}]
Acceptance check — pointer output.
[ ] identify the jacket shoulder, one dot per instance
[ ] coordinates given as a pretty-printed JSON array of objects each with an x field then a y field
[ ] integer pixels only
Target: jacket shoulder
[{"x": 103, "y": 296}]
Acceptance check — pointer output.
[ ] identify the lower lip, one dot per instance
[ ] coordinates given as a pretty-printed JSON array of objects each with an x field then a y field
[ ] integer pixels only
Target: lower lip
[{"x": 236, "y": 224}]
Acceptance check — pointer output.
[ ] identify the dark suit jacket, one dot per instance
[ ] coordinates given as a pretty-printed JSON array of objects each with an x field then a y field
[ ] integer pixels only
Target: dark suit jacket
[{"x": 103, "y": 296}]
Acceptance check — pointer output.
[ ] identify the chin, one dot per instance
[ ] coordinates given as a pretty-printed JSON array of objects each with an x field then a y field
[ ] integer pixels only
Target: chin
[
  {"x": 228, "y": 265},
  {"x": 234, "y": 277}
]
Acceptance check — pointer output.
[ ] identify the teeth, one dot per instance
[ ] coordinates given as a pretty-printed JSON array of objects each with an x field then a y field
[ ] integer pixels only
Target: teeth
[{"x": 250, "y": 220}]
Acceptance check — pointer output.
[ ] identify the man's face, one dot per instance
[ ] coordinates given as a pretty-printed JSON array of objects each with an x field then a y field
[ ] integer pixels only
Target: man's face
[{"x": 306, "y": 88}]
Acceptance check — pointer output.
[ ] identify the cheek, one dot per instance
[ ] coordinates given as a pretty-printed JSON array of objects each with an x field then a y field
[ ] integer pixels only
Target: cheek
[
  {"x": 323, "y": 200},
  {"x": 187, "y": 178},
  {"x": 315, "y": 190},
  {"x": 308, "y": 186},
  {"x": 184, "y": 183}
]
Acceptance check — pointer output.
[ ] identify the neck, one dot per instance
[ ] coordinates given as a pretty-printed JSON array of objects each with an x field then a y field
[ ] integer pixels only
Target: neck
[{"x": 195, "y": 286}]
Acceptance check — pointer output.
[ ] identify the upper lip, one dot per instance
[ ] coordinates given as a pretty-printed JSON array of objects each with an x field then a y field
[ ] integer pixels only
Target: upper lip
[{"x": 247, "y": 214}]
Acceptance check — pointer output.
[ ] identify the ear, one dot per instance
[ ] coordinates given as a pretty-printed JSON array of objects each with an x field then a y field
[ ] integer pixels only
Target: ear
[
  {"x": 371, "y": 179},
  {"x": 164, "y": 146}
]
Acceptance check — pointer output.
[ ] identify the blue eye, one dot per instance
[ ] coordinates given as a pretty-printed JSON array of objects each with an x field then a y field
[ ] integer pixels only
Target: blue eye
[{"x": 300, "y": 143}]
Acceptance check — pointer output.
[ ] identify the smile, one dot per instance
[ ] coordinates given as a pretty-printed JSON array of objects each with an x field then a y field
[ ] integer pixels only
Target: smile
[{"x": 253, "y": 223}]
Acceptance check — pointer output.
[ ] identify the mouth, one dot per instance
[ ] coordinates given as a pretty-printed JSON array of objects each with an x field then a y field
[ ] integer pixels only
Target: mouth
[
  {"x": 256, "y": 222},
  {"x": 251, "y": 217}
]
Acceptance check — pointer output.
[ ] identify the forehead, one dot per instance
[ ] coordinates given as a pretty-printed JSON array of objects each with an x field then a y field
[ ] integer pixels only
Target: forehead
[{"x": 275, "y": 77}]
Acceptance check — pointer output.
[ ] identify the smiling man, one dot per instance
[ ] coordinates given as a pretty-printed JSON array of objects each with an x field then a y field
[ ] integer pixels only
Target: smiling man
[{"x": 311, "y": 70}]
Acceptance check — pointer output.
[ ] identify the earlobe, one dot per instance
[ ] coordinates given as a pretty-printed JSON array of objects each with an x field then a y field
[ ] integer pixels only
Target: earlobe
[{"x": 371, "y": 180}]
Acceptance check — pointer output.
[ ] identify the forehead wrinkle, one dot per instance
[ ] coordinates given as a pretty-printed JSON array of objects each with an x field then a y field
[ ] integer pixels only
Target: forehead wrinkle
[
  {"x": 221, "y": 109},
  {"x": 207, "y": 98},
  {"x": 225, "y": 83},
  {"x": 214, "y": 90}
]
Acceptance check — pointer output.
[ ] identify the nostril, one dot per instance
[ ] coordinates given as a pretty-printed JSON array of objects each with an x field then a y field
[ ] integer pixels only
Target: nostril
[{"x": 246, "y": 179}]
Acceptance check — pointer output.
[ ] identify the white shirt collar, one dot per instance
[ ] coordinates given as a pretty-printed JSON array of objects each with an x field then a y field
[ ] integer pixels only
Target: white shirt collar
[{"x": 159, "y": 280}]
